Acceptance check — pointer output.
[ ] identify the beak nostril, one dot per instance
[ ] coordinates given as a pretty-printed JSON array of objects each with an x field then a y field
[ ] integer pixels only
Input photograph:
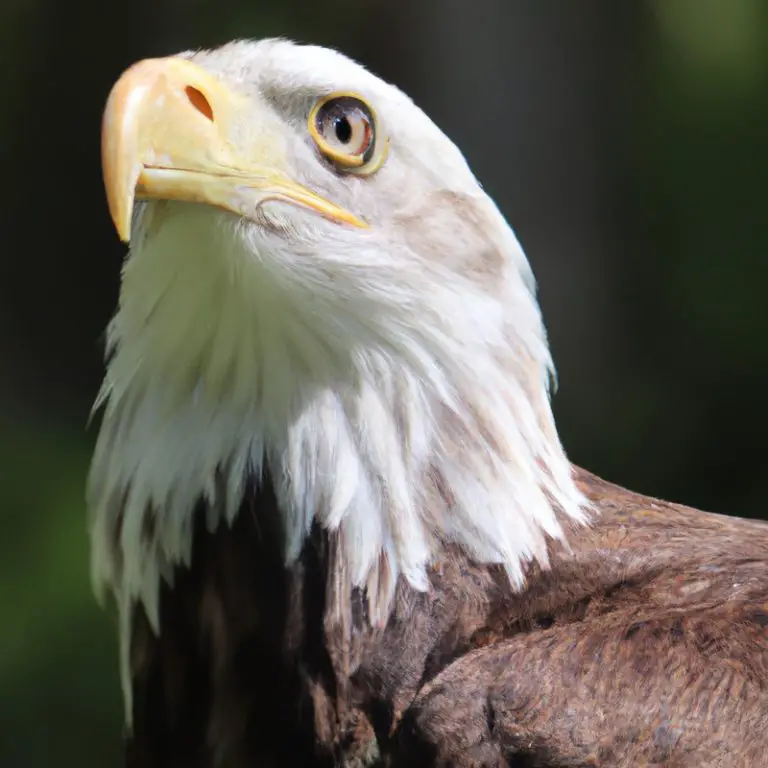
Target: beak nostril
[{"x": 199, "y": 102}]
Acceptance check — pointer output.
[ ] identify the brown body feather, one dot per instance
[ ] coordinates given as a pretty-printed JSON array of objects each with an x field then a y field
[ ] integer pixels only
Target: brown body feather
[{"x": 645, "y": 643}]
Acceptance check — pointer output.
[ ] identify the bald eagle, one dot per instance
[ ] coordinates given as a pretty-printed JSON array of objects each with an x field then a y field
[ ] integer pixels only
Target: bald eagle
[{"x": 328, "y": 497}]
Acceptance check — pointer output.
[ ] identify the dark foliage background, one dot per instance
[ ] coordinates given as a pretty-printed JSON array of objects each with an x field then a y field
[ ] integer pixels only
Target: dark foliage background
[{"x": 626, "y": 142}]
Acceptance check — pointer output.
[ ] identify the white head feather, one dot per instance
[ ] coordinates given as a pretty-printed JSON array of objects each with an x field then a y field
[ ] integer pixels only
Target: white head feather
[{"x": 393, "y": 381}]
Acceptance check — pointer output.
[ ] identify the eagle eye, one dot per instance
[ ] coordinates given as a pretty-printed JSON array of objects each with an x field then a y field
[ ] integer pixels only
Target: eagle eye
[{"x": 345, "y": 130}]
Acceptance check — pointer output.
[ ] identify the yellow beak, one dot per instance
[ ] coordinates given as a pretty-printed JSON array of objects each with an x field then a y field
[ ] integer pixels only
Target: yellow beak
[{"x": 169, "y": 131}]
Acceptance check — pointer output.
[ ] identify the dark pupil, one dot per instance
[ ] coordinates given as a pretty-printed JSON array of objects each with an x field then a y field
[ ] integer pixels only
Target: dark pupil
[{"x": 343, "y": 129}]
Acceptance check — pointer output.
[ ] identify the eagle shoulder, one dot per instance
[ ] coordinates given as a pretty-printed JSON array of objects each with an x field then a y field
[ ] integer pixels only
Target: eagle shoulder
[{"x": 644, "y": 643}]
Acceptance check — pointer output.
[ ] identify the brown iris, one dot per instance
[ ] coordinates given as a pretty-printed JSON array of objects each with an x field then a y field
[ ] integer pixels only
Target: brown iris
[{"x": 344, "y": 128}]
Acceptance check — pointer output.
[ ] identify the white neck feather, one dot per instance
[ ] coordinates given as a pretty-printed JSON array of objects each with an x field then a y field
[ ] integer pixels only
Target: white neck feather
[{"x": 403, "y": 416}]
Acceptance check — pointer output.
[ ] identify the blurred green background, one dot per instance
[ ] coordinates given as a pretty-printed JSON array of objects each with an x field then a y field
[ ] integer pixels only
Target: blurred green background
[{"x": 627, "y": 144}]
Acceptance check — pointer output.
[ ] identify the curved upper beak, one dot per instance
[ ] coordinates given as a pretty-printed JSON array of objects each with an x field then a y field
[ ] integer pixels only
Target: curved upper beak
[{"x": 171, "y": 130}]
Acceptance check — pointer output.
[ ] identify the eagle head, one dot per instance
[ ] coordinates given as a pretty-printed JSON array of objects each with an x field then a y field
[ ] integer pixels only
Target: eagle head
[{"x": 317, "y": 291}]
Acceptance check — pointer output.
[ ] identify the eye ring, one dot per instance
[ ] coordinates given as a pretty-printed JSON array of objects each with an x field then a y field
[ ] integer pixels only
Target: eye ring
[{"x": 345, "y": 130}]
